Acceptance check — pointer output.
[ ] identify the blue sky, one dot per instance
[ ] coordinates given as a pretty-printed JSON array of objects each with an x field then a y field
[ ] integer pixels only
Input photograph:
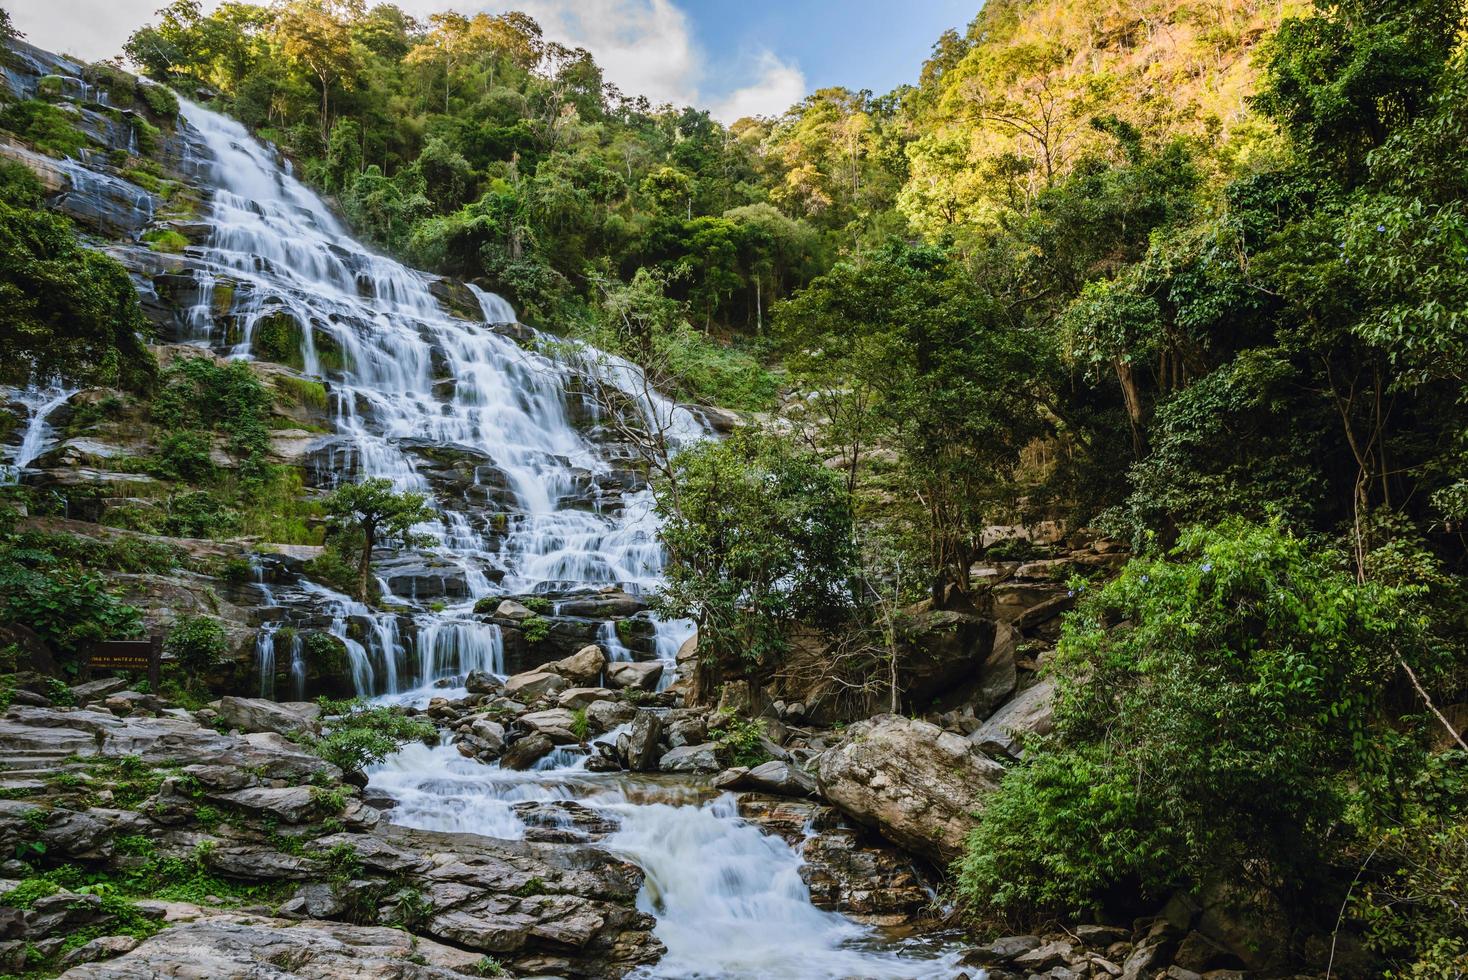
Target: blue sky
[
  {"x": 735, "y": 57},
  {"x": 875, "y": 44}
]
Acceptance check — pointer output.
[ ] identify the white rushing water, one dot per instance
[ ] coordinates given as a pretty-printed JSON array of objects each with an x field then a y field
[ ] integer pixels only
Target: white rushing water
[
  {"x": 39, "y": 403},
  {"x": 729, "y": 900},
  {"x": 404, "y": 372}
]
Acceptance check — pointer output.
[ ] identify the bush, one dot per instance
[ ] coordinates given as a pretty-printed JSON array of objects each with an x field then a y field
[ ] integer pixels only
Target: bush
[
  {"x": 360, "y": 735},
  {"x": 46, "y": 127},
  {"x": 1249, "y": 666},
  {"x": 197, "y": 643}
]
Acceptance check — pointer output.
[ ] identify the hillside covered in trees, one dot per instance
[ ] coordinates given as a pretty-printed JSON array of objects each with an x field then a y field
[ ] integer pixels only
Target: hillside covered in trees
[{"x": 1084, "y": 424}]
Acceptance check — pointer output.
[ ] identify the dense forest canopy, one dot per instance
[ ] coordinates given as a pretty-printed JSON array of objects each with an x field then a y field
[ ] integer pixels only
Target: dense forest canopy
[{"x": 1190, "y": 274}]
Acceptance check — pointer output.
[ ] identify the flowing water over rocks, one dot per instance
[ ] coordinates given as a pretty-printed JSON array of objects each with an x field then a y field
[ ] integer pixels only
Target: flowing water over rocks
[{"x": 536, "y": 497}]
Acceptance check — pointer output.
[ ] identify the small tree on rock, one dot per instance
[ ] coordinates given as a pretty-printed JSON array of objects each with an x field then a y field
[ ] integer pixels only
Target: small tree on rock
[{"x": 378, "y": 514}]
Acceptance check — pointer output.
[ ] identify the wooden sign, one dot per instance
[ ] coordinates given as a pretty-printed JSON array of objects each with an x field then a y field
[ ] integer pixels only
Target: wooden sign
[{"x": 128, "y": 655}]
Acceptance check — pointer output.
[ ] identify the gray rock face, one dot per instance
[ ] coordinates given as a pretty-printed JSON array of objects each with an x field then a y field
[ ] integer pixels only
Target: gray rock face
[
  {"x": 629, "y": 674},
  {"x": 691, "y": 758},
  {"x": 540, "y": 908},
  {"x": 535, "y": 683},
  {"x": 581, "y": 668},
  {"x": 915, "y": 784},
  {"x": 942, "y": 649},
  {"x": 239, "y": 947},
  {"x": 527, "y": 751},
  {"x": 261, "y": 715},
  {"x": 581, "y": 697},
  {"x": 774, "y": 777},
  {"x": 640, "y": 751},
  {"x": 1031, "y": 712}
]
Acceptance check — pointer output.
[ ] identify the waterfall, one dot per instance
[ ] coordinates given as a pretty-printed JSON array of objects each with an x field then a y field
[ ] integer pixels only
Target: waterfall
[
  {"x": 39, "y": 402},
  {"x": 729, "y": 900},
  {"x": 405, "y": 373}
]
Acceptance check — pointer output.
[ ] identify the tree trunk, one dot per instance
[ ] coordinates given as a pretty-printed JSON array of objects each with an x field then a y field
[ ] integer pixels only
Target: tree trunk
[
  {"x": 364, "y": 567},
  {"x": 1133, "y": 399}
]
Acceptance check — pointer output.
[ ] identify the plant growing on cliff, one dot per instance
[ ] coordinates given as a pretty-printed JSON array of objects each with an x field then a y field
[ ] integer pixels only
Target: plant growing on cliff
[
  {"x": 760, "y": 538},
  {"x": 378, "y": 514},
  {"x": 1248, "y": 666},
  {"x": 358, "y": 735},
  {"x": 197, "y": 643}
]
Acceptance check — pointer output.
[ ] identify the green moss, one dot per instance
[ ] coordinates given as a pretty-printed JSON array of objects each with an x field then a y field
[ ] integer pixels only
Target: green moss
[
  {"x": 277, "y": 337},
  {"x": 304, "y": 392},
  {"x": 45, "y": 127},
  {"x": 165, "y": 240}
]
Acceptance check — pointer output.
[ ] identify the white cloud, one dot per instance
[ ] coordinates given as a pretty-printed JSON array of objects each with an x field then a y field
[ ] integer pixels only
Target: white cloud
[
  {"x": 645, "y": 47},
  {"x": 779, "y": 85}
]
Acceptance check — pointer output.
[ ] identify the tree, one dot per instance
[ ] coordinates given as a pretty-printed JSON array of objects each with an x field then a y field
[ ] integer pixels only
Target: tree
[
  {"x": 377, "y": 513},
  {"x": 72, "y": 313},
  {"x": 1253, "y": 667},
  {"x": 759, "y": 538},
  {"x": 315, "y": 33}
]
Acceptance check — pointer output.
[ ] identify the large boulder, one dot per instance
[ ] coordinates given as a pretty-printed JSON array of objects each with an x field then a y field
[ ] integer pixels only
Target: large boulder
[
  {"x": 262, "y": 715},
  {"x": 534, "y": 684},
  {"x": 583, "y": 667},
  {"x": 639, "y": 747},
  {"x": 527, "y": 751},
  {"x": 775, "y": 777},
  {"x": 1031, "y": 712},
  {"x": 629, "y": 674},
  {"x": 691, "y": 758},
  {"x": 915, "y": 784},
  {"x": 941, "y": 650}
]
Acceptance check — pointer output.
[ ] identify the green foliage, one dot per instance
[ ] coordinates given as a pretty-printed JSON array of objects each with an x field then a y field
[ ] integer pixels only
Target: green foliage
[
  {"x": 44, "y": 126},
  {"x": 373, "y": 513},
  {"x": 1252, "y": 667},
  {"x": 740, "y": 740},
  {"x": 535, "y": 629},
  {"x": 56, "y": 596},
  {"x": 165, "y": 240},
  {"x": 198, "y": 395},
  {"x": 71, "y": 312},
  {"x": 197, "y": 643},
  {"x": 536, "y": 603},
  {"x": 359, "y": 735},
  {"x": 760, "y": 537}
]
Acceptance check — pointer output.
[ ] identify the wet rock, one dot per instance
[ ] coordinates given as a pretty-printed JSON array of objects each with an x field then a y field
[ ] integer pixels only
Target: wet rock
[
  {"x": 691, "y": 758},
  {"x": 608, "y": 605},
  {"x": 639, "y": 676},
  {"x": 914, "y": 783},
  {"x": 556, "y": 724},
  {"x": 640, "y": 751},
  {"x": 480, "y": 682},
  {"x": 581, "y": 697},
  {"x": 581, "y": 668},
  {"x": 1000, "y": 951},
  {"x": 534, "y": 684},
  {"x": 1032, "y": 711},
  {"x": 603, "y": 716},
  {"x": 777, "y": 778},
  {"x": 687, "y": 727},
  {"x": 526, "y": 752},
  {"x": 261, "y": 715}
]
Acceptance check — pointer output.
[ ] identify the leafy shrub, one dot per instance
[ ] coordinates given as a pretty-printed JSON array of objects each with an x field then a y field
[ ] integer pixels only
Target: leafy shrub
[
  {"x": 46, "y": 127},
  {"x": 165, "y": 240},
  {"x": 1251, "y": 666},
  {"x": 197, "y": 643},
  {"x": 535, "y": 629},
  {"x": 740, "y": 740},
  {"x": 200, "y": 514},
  {"x": 359, "y": 735}
]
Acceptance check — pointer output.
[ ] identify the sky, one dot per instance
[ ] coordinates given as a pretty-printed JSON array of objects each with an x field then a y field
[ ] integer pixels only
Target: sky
[{"x": 733, "y": 57}]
